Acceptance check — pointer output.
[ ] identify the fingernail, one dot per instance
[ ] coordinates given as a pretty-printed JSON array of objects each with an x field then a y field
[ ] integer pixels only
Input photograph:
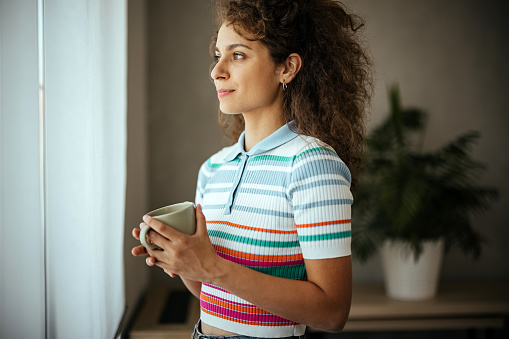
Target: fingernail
[{"x": 146, "y": 218}]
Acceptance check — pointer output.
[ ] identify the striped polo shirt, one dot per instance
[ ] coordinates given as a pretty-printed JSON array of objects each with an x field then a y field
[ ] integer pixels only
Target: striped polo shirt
[{"x": 286, "y": 199}]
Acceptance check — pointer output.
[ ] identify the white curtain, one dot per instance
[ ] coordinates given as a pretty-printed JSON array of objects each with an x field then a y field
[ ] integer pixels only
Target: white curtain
[
  {"x": 79, "y": 200},
  {"x": 21, "y": 241}
]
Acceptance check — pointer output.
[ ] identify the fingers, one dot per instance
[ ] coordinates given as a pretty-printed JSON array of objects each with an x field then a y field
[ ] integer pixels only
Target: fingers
[
  {"x": 173, "y": 243},
  {"x": 136, "y": 232},
  {"x": 160, "y": 227},
  {"x": 172, "y": 275},
  {"x": 139, "y": 250},
  {"x": 151, "y": 261},
  {"x": 157, "y": 239}
]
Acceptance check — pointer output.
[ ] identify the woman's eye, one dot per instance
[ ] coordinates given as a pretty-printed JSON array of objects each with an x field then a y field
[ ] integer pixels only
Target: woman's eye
[{"x": 237, "y": 56}]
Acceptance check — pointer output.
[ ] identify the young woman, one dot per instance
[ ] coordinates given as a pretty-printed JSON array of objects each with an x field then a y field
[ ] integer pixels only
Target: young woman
[{"x": 271, "y": 253}]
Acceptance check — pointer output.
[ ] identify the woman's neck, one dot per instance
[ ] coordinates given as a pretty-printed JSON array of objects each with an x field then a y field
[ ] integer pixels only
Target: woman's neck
[{"x": 259, "y": 127}]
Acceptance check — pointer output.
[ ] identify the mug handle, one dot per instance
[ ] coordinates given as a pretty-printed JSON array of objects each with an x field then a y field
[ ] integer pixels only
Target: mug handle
[{"x": 143, "y": 239}]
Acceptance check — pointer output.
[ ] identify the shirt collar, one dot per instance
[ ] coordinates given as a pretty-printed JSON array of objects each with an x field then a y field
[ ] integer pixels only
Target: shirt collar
[{"x": 276, "y": 139}]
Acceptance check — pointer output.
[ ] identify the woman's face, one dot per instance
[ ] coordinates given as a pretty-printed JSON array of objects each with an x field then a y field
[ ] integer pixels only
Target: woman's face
[{"x": 246, "y": 78}]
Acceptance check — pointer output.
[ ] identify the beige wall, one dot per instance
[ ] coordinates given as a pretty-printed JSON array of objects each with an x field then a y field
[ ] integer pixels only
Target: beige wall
[
  {"x": 182, "y": 105},
  {"x": 136, "y": 271},
  {"x": 448, "y": 57}
]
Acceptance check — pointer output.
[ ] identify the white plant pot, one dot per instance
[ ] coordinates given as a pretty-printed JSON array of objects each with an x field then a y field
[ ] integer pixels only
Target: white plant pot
[{"x": 407, "y": 279}]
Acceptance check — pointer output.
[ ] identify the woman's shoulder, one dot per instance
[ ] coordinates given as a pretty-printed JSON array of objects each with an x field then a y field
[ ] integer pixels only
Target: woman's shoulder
[
  {"x": 218, "y": 158},
  {"x": 315, "y": 157},
  {"x": 307, "y": 146}
]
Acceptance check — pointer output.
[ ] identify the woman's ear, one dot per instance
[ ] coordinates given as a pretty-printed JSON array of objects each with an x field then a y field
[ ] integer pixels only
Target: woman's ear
[{"x": 292, "y": 66}]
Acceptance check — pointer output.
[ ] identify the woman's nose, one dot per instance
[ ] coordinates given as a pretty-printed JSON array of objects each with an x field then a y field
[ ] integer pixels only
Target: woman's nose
[{"x": 219, "y": 71}]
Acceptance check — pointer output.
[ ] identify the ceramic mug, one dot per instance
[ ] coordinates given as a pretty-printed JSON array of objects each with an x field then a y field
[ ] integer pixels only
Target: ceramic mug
[{"x": 181, "y": 217}]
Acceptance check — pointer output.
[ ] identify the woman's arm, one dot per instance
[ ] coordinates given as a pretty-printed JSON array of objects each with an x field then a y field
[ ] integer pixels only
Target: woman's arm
[
  {"x": 193, "y": 286},
  {"x": 322, "y": 302}
]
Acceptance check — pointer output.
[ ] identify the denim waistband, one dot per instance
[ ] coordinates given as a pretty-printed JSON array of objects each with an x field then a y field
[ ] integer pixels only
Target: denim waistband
[{"x": 198, "y": 335}]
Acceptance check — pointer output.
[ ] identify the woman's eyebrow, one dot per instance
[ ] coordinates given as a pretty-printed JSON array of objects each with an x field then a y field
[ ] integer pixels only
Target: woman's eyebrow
[{"x": 232, "y": 46}]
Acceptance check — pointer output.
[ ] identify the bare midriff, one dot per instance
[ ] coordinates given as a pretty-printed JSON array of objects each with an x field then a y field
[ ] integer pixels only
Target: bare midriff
[{"x": 211, "y": 330}]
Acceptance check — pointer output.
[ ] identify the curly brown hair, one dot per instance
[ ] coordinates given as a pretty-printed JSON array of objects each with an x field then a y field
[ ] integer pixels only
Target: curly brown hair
[{"x": 328, "y": 97}]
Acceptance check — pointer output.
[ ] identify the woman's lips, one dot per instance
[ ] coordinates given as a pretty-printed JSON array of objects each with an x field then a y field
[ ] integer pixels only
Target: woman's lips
[{"x": 223, "y": 92}]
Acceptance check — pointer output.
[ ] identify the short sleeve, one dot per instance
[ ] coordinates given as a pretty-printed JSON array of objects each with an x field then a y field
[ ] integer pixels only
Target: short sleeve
[
  {"x": 200, "y": 184},
  {"x": 321, "y": 198}
]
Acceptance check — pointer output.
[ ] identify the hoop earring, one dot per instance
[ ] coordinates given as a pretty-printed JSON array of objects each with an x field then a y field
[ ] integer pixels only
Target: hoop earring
[{"x": 285, "y": 86}]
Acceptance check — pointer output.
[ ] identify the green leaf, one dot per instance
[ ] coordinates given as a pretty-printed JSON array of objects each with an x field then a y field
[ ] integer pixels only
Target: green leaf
[{"x": 407, "y": 195}]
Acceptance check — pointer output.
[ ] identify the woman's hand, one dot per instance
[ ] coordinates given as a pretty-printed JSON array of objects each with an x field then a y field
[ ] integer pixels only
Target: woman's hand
[
  {"x": 141, "y": 250},
  {"x": 192, "y": 257}
]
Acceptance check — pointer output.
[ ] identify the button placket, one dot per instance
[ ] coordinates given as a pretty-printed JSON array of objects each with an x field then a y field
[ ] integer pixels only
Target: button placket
[{"x": 233, "y": 192}]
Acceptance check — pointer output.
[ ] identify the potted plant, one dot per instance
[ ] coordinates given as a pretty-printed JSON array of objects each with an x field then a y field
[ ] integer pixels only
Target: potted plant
[{"x": 408, "y": 200}]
